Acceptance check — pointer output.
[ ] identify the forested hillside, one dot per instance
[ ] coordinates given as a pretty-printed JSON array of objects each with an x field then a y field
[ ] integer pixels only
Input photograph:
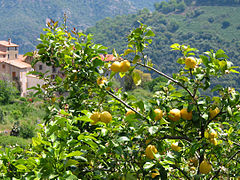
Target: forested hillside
[
  {"x": 22, "y": 20},
  {"x": 203, "y": 27}
]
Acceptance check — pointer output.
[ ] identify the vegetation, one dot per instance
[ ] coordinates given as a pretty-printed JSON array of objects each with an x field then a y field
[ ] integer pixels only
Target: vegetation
[
  {"x": 203, "y": 27},
  {"x": 180, "y": 133}
]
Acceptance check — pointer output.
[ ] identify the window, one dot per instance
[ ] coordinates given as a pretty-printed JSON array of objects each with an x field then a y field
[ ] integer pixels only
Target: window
[
  {"x": 3, "y": 66},
  {"x": 52, "y": 76},
  {"x": 4, "y": 56},
  {"x": 13, "y": 74},
  {"x": 16, "y": 48},
  {"x": 16, "y": 56},
  {"x": 8, "y": 56},
  {"x": 8, "y": 48},
  {"x": 40, "y": 67}
]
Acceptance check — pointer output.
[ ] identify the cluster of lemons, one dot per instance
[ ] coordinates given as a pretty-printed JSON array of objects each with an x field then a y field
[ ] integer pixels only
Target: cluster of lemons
[
  {"x": 122, "y": 66},
  {"x": 104, "y": 117}
]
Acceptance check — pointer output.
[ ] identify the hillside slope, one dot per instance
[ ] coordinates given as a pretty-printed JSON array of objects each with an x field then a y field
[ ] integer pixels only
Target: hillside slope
[
  {"x": 22, "y": 20},
  {"x": 203, "y": 27}
]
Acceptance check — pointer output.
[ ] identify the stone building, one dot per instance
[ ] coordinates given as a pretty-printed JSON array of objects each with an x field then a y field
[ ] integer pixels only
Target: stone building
[{"x": 15, "y": 67}]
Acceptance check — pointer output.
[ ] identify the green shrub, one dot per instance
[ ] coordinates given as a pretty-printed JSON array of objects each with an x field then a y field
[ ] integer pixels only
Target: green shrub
[
  {"x": 6, "y": 141},
  {"x": 27, "y": 130}
]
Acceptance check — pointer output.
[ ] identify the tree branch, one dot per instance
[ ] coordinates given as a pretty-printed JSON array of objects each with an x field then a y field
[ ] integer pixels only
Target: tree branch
[
  {"x": 168, "y": 77},
  {"x": 125, "y": 104},
  {"x": 219, "y": 170},
  {"x": 182, "y": 171},
  {"x": 176, "y": 137}
]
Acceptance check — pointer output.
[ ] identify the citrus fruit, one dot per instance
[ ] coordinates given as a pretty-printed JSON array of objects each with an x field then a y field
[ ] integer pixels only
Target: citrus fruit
[
  {"x": 115, "y": 67},
  {"x": 129, "y": 112},
  {"x": 158, "y": 114},
  {"x": 150, "y": 150},
  {"x": 174, "y": 114},
  {"x": 214, "y": 112},
  {"x": 105, "y": 117},
  {"x": 125, "y": 66},
  {"x": 190, "y": 62},
  {"x": 101, "y": 81},
  {"x": 175, "y": 147},
  {"x": 95, "y": 117},
  {"x": 185, "y": 114},
  {"x": 205, "y": 167}
]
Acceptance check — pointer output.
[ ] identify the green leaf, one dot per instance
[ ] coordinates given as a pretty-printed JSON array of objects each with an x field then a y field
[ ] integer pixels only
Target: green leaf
[
  {"x": 128, "y": 51},
  {"x": 163, "y": 121},
  {"x": 123, "y": 139},
  {"x": 148, "y": 165},
  {"x": 234, "y": 71},
  {"x": 136, "y": 59},
  {"x": 136, "y": 78},
  {"x": 75, "y": 153},
  {"x": 21, "y": 167},
  {"x": 150, "y": 33},
  {"x": 28, "y": 54},
  {"x": 71, "y": 162},
  {"x": 175, "y": 46},
  {"x": 229, "y": 110},
  {"x": 153, "y": 129}
]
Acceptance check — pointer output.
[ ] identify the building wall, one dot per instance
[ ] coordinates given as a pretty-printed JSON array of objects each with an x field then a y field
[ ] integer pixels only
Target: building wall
[{"x": 33, "y": 81}]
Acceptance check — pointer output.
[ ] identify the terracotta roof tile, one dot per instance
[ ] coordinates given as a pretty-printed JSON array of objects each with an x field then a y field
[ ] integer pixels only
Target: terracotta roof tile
[
  {"x": 3, "y": 52},
  {"x": 18, "y": 63},
  {"x": 6, "y": 43},
  {"x": 108, "y": 57}
]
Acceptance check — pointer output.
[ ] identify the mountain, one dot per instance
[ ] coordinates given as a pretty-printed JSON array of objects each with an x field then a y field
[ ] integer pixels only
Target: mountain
[
  {"x": 23, "y": 20},
  {"x": 203, "y": 27}
]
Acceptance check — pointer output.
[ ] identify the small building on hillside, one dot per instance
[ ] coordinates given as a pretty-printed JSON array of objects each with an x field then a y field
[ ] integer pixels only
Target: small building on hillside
[{"x": 15, "y": 67}]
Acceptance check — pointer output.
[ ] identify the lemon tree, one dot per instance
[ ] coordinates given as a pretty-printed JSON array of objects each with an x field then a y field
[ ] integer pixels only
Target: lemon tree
[{"x": 188, "y": 130}]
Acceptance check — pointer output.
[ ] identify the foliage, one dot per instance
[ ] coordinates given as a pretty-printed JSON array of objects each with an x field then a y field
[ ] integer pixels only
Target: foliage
[
  {"x": 7, "y": 92},
  {"x": 134, "y": 146},
  {"x": 13, "y": 141}
]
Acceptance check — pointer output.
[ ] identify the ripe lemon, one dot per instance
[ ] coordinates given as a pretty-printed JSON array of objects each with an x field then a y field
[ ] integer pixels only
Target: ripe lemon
[
  {"x": 185, "y": 114},
  {"x": 158, "y": 114},
  {"x": 105, "y": 117},
  {"x": 213, "y": 134},
  {"x": 154, "y": 174},
  {"x": 101, "y": 81},
  {"x": 190, "y": 62},
  {"x": 95, "y": 117},
  {"x": 205, "y": 167},
  {"x": 115, "y": 67},
  {"x": 174, "y": 114},
  {"x": 175, "y": 147},
  {"x": 129, "y": 112},
  {"x": 214, "y": 112},
  {"x": 213, "y": 141},
  {"x": 125, "y": 66},
  {"x": 150, "y": 150}
]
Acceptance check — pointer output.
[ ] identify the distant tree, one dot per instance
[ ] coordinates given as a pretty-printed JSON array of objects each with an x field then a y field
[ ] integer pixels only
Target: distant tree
[{"x": 7, "y": 91}]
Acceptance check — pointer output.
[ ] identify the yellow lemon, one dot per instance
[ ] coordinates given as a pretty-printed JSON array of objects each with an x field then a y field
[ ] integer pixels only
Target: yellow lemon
[
  {"x": 205, "y": 167},
  {"x": 115, "y": 67},
  {"x": 150, "y": 150},
  {"x": 101, "y": 81},
  {"x": 154, "y": 174},
  {"x": 129, "y": 112},
  {"x": 214, "y": 112},
  {"x": 95, "y": 117},
  {"x": 174, "y": 114},
  {"x": 125, "y": 66},
  {"x": 158, "y": 114},
  {"x": 213, "y": 141},
  {"x": 185, "y": 114},
  {"x": 190, "y": 62},
  {"x": 175, "y": 147},
  {"x": 105, "y": 117}
]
